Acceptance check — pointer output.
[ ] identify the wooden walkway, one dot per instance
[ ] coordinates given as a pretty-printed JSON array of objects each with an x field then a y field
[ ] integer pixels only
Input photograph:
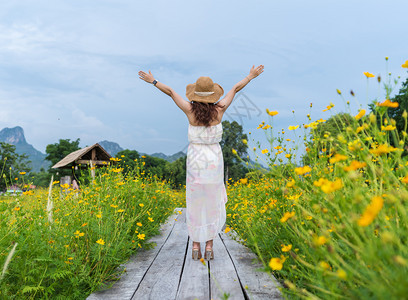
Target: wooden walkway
[{"x": 168, "y": 271}]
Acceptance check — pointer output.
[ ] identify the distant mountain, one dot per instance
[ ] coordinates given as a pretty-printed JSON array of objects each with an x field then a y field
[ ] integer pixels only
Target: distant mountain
[
  {"x": 15, "y": 136},
  {"x": 111, "y": 147},
  {"x": 169, "y": 158}
]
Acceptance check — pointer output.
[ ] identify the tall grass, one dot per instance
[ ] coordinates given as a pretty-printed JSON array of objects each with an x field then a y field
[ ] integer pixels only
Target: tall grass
[
  {"x": 90, "y": 233},
  {"x": 337, "y": 227}
]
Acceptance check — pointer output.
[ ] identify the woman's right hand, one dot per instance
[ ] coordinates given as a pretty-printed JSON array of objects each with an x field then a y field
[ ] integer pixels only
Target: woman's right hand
[{"x": 255, "y": 71}]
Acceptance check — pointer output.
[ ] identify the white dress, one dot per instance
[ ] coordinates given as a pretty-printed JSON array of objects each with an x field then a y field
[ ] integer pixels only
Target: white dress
[{"x": 205, "y": 189}]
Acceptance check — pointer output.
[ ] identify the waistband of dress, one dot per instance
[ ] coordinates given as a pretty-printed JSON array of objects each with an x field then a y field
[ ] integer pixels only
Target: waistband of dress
[{"x": 194, "y": 143}]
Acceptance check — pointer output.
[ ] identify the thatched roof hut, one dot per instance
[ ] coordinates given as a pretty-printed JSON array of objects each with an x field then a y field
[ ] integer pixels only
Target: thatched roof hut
[{"x": 94, "y": 155}]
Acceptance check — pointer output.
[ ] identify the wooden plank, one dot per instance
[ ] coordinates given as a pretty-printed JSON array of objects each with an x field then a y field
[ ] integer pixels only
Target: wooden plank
[
  {"x": 138, "y": 264},
  {"x": 162, "y": 278},
  {"x": 260, "y": 285},
  {"x": 224, "y": 278},
  {"x": 195, "y": 283}
]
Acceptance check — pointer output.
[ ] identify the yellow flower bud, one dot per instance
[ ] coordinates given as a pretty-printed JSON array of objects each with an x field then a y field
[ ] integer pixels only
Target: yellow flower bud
[{"x": 372, "y": 118}]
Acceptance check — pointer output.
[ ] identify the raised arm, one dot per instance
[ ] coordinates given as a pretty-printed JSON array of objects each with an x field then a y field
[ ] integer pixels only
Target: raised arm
[
  {"x": 180, "y": 102},
  {"x": 253, "y": 73}
]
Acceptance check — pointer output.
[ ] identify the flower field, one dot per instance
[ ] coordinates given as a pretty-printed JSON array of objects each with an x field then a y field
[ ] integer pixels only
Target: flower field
[
  {"x": 337, "y": 226},
  {"x": 66, "y": 247}
]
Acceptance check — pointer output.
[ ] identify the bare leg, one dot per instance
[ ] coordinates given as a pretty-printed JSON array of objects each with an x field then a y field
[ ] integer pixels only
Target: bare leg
[
  {"x": 209, "y": 244},
  {"x": 196, "y": 245}
]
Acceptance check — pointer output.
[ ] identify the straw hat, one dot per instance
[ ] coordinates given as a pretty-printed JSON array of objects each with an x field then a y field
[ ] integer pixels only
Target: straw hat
[{"x": 204, "y": 90}]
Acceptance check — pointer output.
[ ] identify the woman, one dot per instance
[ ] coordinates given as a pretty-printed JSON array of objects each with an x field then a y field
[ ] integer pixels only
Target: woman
[{"x": 205, "y": 189}]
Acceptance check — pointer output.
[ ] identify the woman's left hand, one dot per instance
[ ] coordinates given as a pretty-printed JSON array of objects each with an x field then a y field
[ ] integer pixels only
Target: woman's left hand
[{"x": 148, "y": 77}]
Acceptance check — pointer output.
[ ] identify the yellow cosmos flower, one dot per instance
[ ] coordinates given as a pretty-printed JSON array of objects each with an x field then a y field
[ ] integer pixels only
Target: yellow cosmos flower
[
  {"x": 17, "y": 208},
  {"x": 367, "y": 74},
  {"x": 99, "y": 216},
  {"x": 266, "y": 127},
  {"x": 290, "y": 184},
  {"x": 405, "y": 65},
  {"x": 141, "y": 236},
  {"x": 405, "y": 179},
  {"x": 227, "y": 229},
  {"x": 272, "y": 113},
  {"x": 261, "y": 125},
  {"x": 286, "y": 248},
  {"x": 382, "y": 149},
  {"x": 113, "y": 205},
  {"x": 150, "y": 219},
  {"x": 354, "y": 145},
  {"x": 354, "y": 166},
  {"x": 361, "y": 128},
  {"x": 287, "y": 216},
  {"x": 288, "y": 155},
  {"x": 276, "y": 263},
  {"x": 302, "y": 170},
  {"x": 293, "y": 127},
  {"x": 341, "y": 274},
  {"x": 388, "y": 103},
  {"x": 371, "y": 211},
  {"x": 328, "y": 186},
  {"x": 139, "y": 224},
  {"x": 78, "y": 233},
  {"x": 264, "y": 151},
  {"x": 324, "y": 265},
  {"x": 120, "y": 210},
  {"x": 100, "y": 242},
  {"x": 360, "y": 114},
  {"x": 388, "y": 128},
  {"x": 243, "y": 180},
  {"x": 22, "y": 173},
  {"x": 141, "y": 204},
  {"x": 319, "y": 240},
  {"x": 337, "y": 157}
]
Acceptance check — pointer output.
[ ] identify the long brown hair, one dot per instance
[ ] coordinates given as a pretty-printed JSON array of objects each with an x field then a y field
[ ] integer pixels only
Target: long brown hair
[{"x": 204, "y": 113}]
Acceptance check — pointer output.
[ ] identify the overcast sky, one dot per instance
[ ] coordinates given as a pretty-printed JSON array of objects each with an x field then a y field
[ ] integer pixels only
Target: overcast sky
[{"x": 68, "y": 69}]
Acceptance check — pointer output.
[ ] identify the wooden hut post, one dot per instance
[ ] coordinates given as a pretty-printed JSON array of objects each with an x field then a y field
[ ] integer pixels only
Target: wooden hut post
[{"x": 93, "y": 159}]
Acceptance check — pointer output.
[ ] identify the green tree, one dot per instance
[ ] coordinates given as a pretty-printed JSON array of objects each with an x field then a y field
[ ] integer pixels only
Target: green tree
[
  {"x": 155, "y": 165},
  {"x": 232, "y": 138},
  {"x": 176, "y": 172},
  {"x": 127, "y": 161},
  {"x": 41, "y": 178},
  {"x": 324, "y": 136},
  {"x": 11, "y": 165},
  {"x": 393, "y": 114},
  {"x": 396, "y": 113},
  {"x": 58, "y": 151}
]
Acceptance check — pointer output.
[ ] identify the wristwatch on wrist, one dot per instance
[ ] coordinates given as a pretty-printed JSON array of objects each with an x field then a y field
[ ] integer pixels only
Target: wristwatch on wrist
[{"x": 154, "y": 82}]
